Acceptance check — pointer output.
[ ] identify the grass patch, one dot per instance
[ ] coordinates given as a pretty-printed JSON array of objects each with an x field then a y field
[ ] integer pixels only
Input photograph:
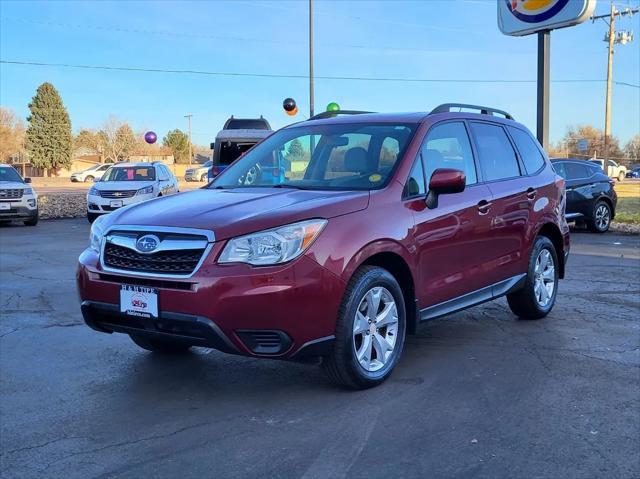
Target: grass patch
[{"x": 628, "y": 210}]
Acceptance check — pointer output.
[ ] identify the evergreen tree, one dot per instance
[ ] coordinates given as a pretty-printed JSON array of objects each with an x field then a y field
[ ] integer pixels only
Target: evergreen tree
[
  {"x": 178, "y": 142},
  {"x": 295, "y": 151},
  {"x": 48, "y": 137}
]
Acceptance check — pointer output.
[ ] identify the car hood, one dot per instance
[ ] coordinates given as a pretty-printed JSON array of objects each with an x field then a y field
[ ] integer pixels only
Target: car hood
[
  {"x": 239, "y": 211},
  {"x": 121, "y": 185},
  {"x": 13, "y": 185}
]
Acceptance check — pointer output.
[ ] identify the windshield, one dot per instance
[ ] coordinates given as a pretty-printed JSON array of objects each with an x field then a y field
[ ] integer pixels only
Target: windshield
[
  {"x": 350, "y": 156},
  {"x": 130, "y": 173},
  {"x": 9, "y": 174}
]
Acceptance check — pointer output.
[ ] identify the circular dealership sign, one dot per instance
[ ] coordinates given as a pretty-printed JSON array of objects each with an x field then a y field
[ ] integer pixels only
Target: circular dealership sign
[{"x": 535, "y": 11}]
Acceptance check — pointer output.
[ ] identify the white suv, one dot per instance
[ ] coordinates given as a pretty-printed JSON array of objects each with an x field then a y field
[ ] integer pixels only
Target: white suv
[
  {"x": 18, "y": 201},
  {"x": 127, "y": 183},
  {"x": 91, "y": 174}
]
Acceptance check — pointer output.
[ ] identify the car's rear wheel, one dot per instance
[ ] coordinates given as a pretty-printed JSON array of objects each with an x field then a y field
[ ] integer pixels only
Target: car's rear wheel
[
  {"x": 88, "y": 179},
  {"x": 601, "y": 218},
  {"x": 159, "y": 346},
  {"x": 91, "y": 217},
  {"x": 370, "y": 330},
  {"x": 536, "y": 299}
]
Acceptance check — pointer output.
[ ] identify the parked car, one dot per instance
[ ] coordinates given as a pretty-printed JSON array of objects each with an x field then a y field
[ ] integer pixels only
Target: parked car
[
  {"x": 198, "y": 173},
  {"x": 18, "y": 200},
  {"x": 378, "y": 222},
  {"x": 633, "y": 173},
  {"x": 128, "y": 183},
  {"x": 591, "y": 197},
  {"x": 237, "y": 137},
  {"x": 91, "y": 174},
  {"x": 614, "y": 170}
]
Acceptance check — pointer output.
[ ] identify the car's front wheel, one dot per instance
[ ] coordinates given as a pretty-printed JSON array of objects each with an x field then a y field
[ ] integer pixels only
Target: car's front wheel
[
  {"x": 536, "y": 299},
  {"x": 33, "y": 221},
  {"x": 159, "y": 346},
  {"x": 91, "y": 217},
  {"x": 370, "y": 330},
  {"x": 88, "y": 179},
  {"x": 203, "y": 177}
]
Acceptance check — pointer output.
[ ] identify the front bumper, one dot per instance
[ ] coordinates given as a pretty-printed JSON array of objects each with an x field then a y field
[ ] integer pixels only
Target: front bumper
[
  {"x": 287, "y": 312},
  {"x": 20, "y": 209},
  {"x": 98, "y": 204}
]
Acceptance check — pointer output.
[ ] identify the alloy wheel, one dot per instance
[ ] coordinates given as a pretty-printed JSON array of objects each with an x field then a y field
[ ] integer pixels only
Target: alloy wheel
[
  {"x": 602, "y": 217},
  {"x": 375, "y": 329},
  {"x": 544, "y": 283}
]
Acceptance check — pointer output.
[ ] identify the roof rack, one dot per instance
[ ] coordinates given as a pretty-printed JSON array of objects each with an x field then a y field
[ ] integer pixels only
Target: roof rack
[
  {"x": 484, "y": 110},
  {"x": 331, "y": 114}
]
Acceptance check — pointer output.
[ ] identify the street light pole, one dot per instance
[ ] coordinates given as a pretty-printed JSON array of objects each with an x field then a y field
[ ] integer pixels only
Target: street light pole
[
  {"x": 190, "y": 143},
  {"x": 311, "y": 87}
]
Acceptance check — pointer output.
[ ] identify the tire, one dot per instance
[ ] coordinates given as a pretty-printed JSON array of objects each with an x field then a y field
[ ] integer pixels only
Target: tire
[
  {"x": 91, "y": 217},
  {"x": 525, "y": 302},
  {"x": 88, "y": 179},
  {"x": 600, "y": 218},
  {"x": 621, "y": 177},
  {"x": 204, "y": 177},
  {"x": 33, "y": 221},
  {"x": 342, "y": 365},
  {"x": 158, "y": 346}
]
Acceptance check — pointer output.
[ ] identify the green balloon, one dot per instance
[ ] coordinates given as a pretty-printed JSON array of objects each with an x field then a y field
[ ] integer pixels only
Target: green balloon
[{"x": 333, "y": 106}]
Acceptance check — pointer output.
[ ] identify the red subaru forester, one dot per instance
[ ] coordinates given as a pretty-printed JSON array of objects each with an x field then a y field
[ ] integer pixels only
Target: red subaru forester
[{"x": 334, "y": 238}]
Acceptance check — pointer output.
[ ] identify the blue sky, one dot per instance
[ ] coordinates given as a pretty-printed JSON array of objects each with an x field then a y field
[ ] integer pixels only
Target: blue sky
[{"x": 456, "y": 39}]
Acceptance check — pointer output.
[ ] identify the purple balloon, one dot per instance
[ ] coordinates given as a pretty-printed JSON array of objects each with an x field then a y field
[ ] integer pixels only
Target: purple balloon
[{"x": 150, "y": 137}]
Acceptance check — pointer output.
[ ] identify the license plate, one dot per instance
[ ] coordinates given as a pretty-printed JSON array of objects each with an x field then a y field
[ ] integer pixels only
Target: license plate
[
  {"x": 139, "y": 301},
  {"x": 5, "y": 206},
  {"x": 115, "y": 203}
]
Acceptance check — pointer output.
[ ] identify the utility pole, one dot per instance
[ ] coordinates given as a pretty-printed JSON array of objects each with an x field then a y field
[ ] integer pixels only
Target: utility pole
[
  {"x": 612, "y": 38},
  {"x": 190, "y": 143},
  {"x": 311, "y": 92},
  {"x": 544, "y": 68}
]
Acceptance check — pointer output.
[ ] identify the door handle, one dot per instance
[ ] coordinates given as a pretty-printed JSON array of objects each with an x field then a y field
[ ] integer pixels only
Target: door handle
[
  {"x": 531, "y": 193},
  {"x": 483, "y": 207}
]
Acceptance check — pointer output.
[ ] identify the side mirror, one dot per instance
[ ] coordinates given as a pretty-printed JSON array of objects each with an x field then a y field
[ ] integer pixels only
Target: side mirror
[
  {"x": 27, "y": 180},
  {"x": 445, "y": 181},
  {"x": 211, "y": 145}
]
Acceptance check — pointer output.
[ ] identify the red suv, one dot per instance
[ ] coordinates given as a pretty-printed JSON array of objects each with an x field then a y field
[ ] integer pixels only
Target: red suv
[{"x": 334, "y": 238}]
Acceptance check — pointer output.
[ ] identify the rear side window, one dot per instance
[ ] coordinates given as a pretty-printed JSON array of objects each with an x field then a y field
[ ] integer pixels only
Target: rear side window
[
  {"x": 447, "y": 146},
  {"x": 497, "y": 158},
  {"x": 575, "y": 171},
  {"x": 558, "y": 167},
  {"x": 529, "y": 152}
]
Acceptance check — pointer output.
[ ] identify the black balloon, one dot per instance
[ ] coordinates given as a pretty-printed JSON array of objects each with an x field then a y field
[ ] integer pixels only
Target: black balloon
[{"x": 289, "y": 104}]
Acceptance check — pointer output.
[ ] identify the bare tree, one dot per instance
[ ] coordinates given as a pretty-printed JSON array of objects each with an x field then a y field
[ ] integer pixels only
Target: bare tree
[
  {"x": 116, "y": 140},
  {"x": 11, "y": 134}
]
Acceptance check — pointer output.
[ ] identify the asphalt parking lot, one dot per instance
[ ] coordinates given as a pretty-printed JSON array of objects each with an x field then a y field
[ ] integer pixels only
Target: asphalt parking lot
[{"x": 478, "y": 394}]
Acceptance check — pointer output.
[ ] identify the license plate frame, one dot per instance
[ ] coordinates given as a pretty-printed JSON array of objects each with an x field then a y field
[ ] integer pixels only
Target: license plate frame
[
  {"x": 5, "y": 206},
  {"x": 115, "y": 203},
  {"x": 139, "y": 301}
]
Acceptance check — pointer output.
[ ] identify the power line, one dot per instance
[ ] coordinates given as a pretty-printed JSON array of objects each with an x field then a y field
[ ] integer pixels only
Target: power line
[{"x": 292, "y": 76}]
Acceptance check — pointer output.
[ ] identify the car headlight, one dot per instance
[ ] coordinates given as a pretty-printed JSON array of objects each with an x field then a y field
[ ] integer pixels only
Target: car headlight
[
  {"x": 97, "y": 233},
  {"x": 145, "y": 191},
  {"x": 93, "y": 191},
  {"x": 272, "y": 246},
  {"x": 27, "y": 191}
]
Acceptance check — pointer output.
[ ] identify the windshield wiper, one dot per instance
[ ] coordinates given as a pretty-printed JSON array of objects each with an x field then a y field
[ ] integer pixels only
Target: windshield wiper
[{"x": 287, "y": 185}]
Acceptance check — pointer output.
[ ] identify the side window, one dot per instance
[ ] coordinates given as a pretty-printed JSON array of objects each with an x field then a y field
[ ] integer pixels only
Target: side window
[
  {"x": 529, "y": 152},
  {"x": 415, "y": 185},
  {"x": 576, "y": 171},
  {"x": 162, "y": 173},
  {"x": 447, "y": 146},
  {"x": 559, "y": 168},
  {"x": 497, "y": 157}
]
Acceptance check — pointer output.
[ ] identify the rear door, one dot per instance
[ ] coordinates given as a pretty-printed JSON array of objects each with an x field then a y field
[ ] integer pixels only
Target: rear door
[
  {"x": 511, "y": 203},
  {"x": 581, "y": 186},
  {"x": 453, "y": 238}
]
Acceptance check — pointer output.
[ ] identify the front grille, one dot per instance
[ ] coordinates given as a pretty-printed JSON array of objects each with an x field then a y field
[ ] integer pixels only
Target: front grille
[
  {"x": 117, "y": 194},
  {"x": 168, "y": 262},
  {"x": 11, "y": 194}
]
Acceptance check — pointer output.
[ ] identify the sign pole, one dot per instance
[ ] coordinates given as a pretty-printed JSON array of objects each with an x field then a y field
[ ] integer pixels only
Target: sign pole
[{"x": 544, "y": 66}]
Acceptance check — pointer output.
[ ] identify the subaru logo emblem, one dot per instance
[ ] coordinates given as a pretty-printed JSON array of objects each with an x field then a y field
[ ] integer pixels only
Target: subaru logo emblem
[{"x": 147, "y": 243}]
